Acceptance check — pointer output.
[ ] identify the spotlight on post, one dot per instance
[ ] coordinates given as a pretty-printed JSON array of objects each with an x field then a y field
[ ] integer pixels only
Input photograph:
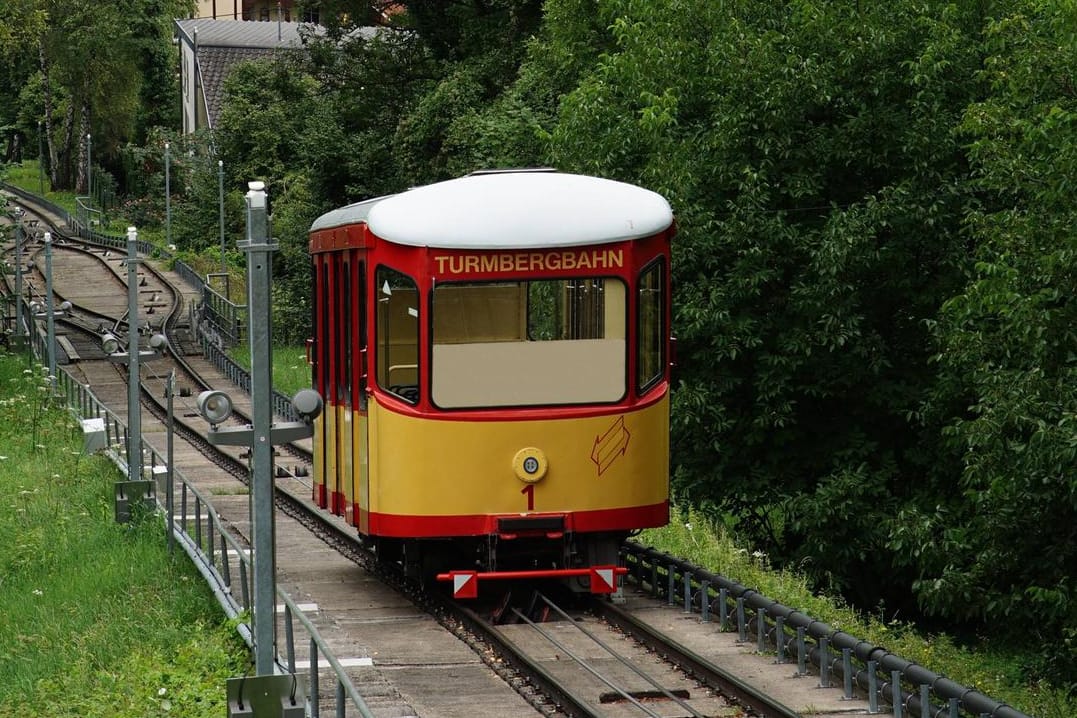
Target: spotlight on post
[
  {"x": 110, "y": 344},
  {"x": 214, "y": 406},
  {"x": 308, "y": 404}
]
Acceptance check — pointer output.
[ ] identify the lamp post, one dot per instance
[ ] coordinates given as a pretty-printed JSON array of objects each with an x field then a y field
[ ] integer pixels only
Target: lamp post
[
  {"x": 168, "y": 198},
  {"x": 49, "y": 313},
  {"x": 89, "y": 166},
  {"x": 40, "y": 160},
  {"x": 259, "y": 262},
  {"x": 220, "y": 199},
  {"x": 134, "y": 405},
  {"x": 50, "y": 321},
  {"x": 261, "y": 434},
  {"x": 135, "y": 484},
  {"x": 19, "y": 233},
  {"x": 170, "y": 391}
]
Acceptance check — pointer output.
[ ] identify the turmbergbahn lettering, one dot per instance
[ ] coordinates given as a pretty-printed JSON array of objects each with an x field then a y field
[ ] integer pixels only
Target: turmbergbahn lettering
[{"x": 510, "y": 262}]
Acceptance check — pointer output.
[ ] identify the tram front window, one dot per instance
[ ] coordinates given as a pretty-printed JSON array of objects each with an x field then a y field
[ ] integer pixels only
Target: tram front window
[{"x": 537, "y": 343}]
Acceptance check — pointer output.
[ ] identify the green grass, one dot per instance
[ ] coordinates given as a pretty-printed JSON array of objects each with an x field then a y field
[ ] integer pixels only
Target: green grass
[
  {"x": 97, "y": 619},
  {"x": 26, "y": 176},
  {"x": 990, "y": 669},
  {"x": 290, "y": 369}
]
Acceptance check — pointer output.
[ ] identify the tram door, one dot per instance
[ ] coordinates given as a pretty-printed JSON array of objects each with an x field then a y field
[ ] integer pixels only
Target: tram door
[
  {"x": 331, "y": 341},
  {"x": 359, "y": 479},
  {"x": 321, "y": 358},
  {"x": 344, "y": 336}
]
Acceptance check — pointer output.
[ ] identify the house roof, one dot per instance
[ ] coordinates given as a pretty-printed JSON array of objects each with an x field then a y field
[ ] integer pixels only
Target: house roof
[
  {"x": 234, "y": 33},
  {"x": 221, "y": 44}
]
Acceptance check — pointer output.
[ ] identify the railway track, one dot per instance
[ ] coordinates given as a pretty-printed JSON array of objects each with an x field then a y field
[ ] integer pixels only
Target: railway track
[{"x": 413, "y": 652}]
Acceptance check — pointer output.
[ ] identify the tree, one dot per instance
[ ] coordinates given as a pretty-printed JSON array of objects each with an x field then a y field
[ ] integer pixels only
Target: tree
[
  {"x": 1001, "y": 547},
  {"x": 807, "y": 150},
  {"x": 90, "y": 71}
]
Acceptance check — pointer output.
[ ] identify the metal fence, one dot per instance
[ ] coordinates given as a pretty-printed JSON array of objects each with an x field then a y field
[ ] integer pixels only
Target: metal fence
[
  {"x": 226, "y": 318},
  {"x": 215, "y": 552},
  {"x": 282, "y": 405},
  {"x": 910, "y": 689}
]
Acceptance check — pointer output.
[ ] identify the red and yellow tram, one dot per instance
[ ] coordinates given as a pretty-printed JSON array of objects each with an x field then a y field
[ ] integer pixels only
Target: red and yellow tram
[{"x": 493, "y": 352}]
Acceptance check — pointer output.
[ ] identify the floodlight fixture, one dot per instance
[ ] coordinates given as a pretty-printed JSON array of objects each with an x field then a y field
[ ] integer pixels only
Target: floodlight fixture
[
  {"x": 308, "y": 404},
  {"x": 110, "y": 343},
  {"x": 214, "y": 406}
]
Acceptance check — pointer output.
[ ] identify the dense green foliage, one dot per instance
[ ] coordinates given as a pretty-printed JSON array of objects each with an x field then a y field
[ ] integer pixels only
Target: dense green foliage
[
  {"x": 862, "y": 289},
  {"x": 98, "y": 620},
  {"x": 73, "y": 68},
  {"x": 874, "y": 275}
]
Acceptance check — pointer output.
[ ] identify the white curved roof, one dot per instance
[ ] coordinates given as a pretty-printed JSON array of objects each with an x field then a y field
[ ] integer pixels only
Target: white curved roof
[
  {"x": 349, "y": 214},
  {"x": 511, "y": 210}
]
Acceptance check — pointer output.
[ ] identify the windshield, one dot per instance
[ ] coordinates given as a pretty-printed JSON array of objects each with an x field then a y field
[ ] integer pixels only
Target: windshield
[{"x": 543, "y": 342}]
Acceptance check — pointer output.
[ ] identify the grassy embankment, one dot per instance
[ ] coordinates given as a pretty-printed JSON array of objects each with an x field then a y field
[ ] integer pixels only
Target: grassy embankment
[
  {"x": 290, "y": 369},
  {"x": 26, "y": 176},
  {"x": 98, "y": 620}
]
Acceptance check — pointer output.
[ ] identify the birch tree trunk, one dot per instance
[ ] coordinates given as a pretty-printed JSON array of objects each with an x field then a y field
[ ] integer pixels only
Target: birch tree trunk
[
  {"x": 82, "y": 183},
  {"x": 46, "y": 88}
]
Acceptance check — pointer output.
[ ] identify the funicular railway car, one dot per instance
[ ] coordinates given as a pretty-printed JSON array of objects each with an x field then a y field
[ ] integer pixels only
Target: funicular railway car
[{"x": 493, "y": 352}]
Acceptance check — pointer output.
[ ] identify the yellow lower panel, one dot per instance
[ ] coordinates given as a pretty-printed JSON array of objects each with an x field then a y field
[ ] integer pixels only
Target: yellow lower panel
[{"x": 429, "y": 467}]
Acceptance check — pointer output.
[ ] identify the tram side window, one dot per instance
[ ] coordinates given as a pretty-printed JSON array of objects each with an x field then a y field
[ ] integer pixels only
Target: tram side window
[
  {"x": 652, "y": 331},
  {"x": 398, "y": 334}
]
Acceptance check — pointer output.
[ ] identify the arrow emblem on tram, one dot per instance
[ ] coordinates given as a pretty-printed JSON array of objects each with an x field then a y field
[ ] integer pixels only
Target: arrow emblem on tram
[{"x": 610, "y": 445}]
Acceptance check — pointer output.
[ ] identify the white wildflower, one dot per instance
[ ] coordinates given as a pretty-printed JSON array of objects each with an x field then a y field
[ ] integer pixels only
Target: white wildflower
[{"x": 38, "y": 592}]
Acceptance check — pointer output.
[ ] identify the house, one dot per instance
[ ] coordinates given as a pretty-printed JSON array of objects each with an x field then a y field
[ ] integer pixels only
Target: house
[
  {"x": 210, "y": 48},
  {"x": 266, "y": 10}
]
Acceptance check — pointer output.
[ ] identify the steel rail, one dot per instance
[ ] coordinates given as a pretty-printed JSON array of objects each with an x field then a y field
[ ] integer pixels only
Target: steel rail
[
  {"x": 727, "y": 684},
  {"x": 585, "y": 665},
  {"x": 517, "y": 658},
  {"x": 622, "y": 660}
]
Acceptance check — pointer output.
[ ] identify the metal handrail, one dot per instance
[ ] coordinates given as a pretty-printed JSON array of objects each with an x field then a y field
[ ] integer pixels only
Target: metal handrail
[
  {"x": 227, "y": 317},
  {"x": 282, "y": 405},
  {"x": 774, "y": 618},
  {"x": 85, "y": 404}
]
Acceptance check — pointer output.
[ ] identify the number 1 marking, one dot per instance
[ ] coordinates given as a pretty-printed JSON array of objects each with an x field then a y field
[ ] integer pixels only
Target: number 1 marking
[{"x": 530, "y": 491}]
